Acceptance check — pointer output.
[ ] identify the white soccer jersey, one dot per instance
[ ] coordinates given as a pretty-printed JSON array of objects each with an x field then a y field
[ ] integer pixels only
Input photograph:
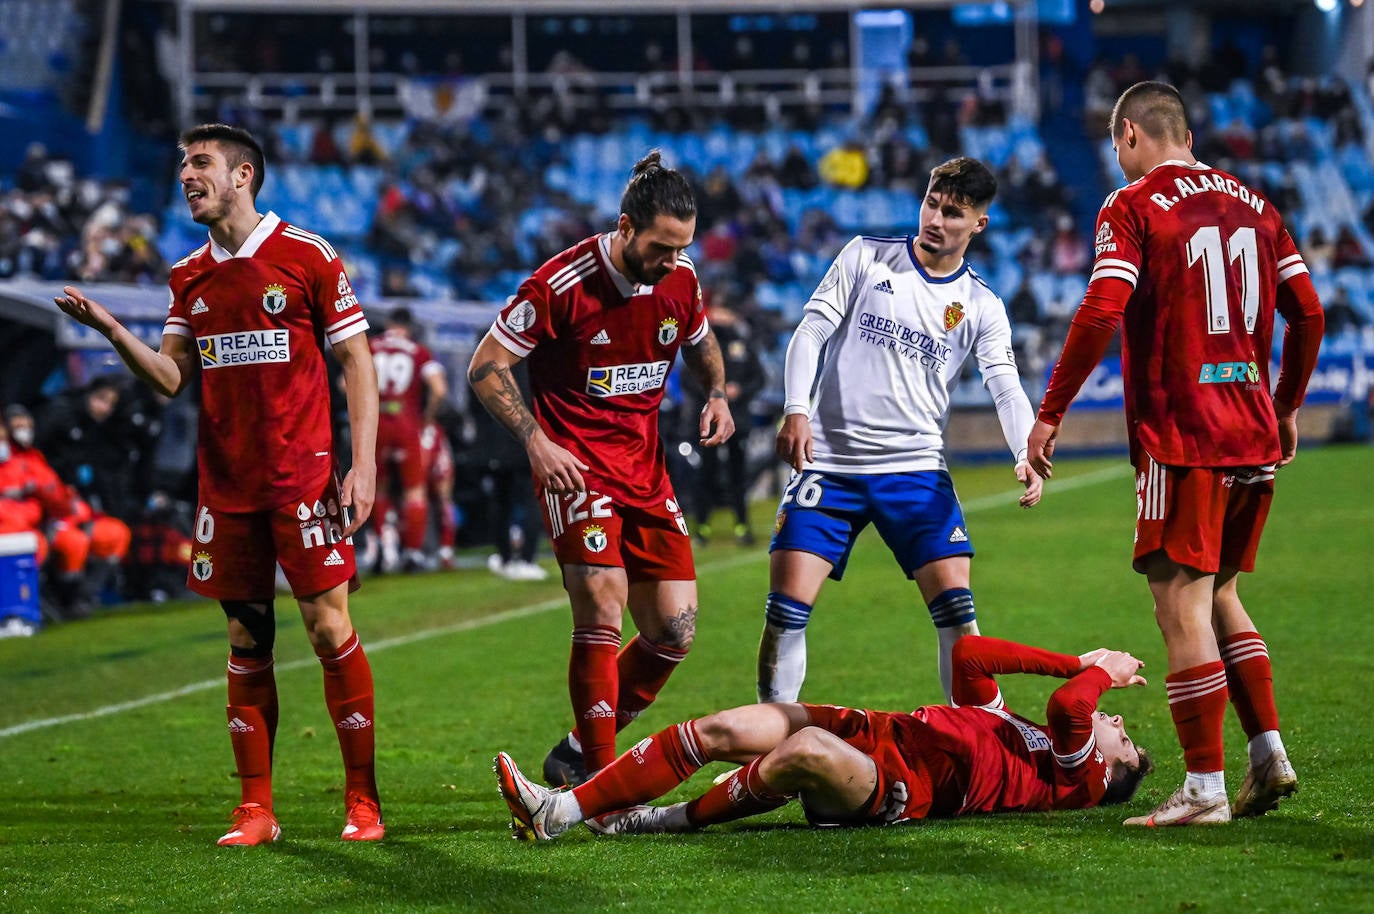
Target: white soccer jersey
[{"x": 897, "y": 344}]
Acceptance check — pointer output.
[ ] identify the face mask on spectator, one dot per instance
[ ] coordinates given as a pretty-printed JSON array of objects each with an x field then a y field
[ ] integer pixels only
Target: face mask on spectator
[
  {"x": 4, "y": 451},
  {"x": 22, "y": 435}
]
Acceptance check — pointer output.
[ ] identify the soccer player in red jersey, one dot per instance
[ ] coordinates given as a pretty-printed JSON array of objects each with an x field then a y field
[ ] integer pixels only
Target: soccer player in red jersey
[
  {"x": 856, "y": 767},
  {"x": 1195, "y": 263},
  {"x": 438, "y": 463},
  {"x": 247, "y": 310},
  {"x": 410, "y": 388},
  {"x": 601, "y": 324}
]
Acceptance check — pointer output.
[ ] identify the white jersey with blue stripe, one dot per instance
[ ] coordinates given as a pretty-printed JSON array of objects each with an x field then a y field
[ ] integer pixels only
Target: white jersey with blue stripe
[{"x": 900, "y": 337}]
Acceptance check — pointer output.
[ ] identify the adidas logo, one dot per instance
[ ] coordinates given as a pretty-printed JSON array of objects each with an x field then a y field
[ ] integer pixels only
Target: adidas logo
[
  {"x": 199, "y": 307},
  {"x": 958, "y": 536},
  {"x": 333, "y": 558},
  {"x": 601, "y": 339},
  {"x": 884, "y": 286},
  {"x": 600, "y": 709},
  {"x": 237, "y": 725},
  {"x": 354, "y": 721}
]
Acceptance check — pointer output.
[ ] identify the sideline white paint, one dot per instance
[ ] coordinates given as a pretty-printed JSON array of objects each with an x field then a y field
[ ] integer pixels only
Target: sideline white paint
[{"x": 534, "y": 609}]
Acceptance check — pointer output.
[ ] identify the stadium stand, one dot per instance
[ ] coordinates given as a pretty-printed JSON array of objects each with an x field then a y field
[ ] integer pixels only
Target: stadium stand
[{"x": 443, "y": 194}]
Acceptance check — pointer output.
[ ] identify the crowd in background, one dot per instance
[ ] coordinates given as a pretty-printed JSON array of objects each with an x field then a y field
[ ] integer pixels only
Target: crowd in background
[{"x": 473, "y": 197}]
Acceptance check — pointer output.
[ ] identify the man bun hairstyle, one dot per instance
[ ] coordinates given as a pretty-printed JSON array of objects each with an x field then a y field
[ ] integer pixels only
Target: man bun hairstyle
[
  {"x": 966, "y": 180},
  {"x": 238, "y": 146},
  {"x": 654, "y": 190},
  {"x": 1155, "y": 108}
]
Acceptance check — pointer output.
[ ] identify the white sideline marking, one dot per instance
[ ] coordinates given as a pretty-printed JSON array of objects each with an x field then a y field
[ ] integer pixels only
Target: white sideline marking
[{"x": 521, "y": 612}]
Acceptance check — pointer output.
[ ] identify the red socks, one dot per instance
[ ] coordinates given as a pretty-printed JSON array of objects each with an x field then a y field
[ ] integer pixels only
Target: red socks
[
  {"x": 1251, "y": 681},
  {"x": 592, "y": 684},
  {"x": 252, "y": 713},
  {"x": 650, "y": 769},
  {"x": 414, "y": 524},
  {"x": 742, "y": 794},
  {"x": 644, "y": 667},
  {"x": 448, "y": 525},
  {"x": 348, "y": 693},
  {"x": 608, "y": 690},
  {"x": 1197, "y": 703}
]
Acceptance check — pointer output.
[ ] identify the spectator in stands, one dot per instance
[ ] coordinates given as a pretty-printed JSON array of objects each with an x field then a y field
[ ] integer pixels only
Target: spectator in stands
[
  {"x": 717, "y": 198},
  {"x": 363, "y": 146},
  {"x": 845, "y": 166},
  {"x": 1068, "y": 249},
  {"x": 1319, "y": 252},
  {"x": 1349, "y": 251},
  {"x": 1340, "y": 314},
  {"x": 1023, "y": 308},
  {"x": 1099, "y": 95},
  {"x": 795, "y": 171},
  {"x": 324, "y": 150}
]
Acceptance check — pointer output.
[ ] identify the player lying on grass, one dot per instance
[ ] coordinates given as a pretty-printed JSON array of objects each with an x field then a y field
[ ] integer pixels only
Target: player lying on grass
[{"x": 856, "y": 767}]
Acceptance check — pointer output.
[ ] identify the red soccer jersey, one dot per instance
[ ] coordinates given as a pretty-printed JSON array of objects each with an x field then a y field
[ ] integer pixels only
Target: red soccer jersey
[
  {"x": 1205, "y": 257},
  {"x": 600, "y": 349},
  {"x": 402, "y": 365},
  {"x": 982, "y": 758},
  {"x": 256, "y": 318}
]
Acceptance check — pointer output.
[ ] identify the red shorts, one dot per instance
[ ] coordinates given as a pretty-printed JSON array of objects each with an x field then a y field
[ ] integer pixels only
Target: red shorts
[
  {"x": 399, "y": 451},
  {"x": 436, "y": 454},
  {"x": 650, "y": 543},
  {"x": 904, "y": 784},
  {"x": 234, "y": 555},
  {"x": 1201, "y": 517}
]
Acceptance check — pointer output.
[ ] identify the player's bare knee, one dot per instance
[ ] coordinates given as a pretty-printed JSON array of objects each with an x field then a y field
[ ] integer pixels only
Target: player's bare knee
[
  {"x": 719, "y": 734},
  {"x": 805, "y": 755}
]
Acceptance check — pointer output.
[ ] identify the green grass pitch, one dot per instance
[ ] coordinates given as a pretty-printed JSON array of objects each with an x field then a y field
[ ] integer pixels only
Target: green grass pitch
[{"x": 116, "y": 776}]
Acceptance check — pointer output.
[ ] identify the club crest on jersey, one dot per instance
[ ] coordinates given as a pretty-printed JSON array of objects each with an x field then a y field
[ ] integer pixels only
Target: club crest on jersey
[
  {"x": 594, "y": 538},
  {"x": 274, "y": 298},
  {"x": 954, "y": 313},
  {"x": 202, "y": 567},
  {"x": 667, "y": 331}
]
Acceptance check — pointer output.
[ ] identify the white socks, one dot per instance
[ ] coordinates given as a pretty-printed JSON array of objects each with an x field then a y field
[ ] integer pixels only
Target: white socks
[
  {"x": 782, "y": 663},
  {"x": 947, "y": 637},
  {"x": 1264, "y": 745}
]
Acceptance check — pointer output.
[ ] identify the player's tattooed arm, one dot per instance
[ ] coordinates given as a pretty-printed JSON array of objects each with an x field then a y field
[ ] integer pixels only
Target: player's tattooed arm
[
  {"x": 495, "y": 386},
  {"x": 707, "y": 365},
  {"x": 493, "y": 383}
]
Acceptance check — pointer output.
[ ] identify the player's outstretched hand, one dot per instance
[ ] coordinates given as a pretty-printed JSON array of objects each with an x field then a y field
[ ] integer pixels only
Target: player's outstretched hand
[
  {"x": 1122, "y": 667},
  {"x": 359, "y": 493},
  {"x": 1040, "y": 448},
  {"x": 1035, "y": 486},
  {"x": 717, "y": 425},
  {"x": 555, "y": 467},
  {"x": 85, "y": 310},
  {"x": 794, "y": 442}
]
